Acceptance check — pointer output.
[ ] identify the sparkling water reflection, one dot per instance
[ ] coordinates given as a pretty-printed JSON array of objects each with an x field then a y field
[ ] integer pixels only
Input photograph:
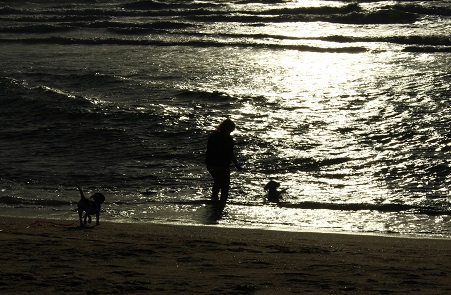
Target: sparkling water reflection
[{"x": 350, "y": 113}]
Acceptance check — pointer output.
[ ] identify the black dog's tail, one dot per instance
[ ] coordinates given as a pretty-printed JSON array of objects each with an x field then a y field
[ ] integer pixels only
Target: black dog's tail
[{"x": 81, "y": 191}]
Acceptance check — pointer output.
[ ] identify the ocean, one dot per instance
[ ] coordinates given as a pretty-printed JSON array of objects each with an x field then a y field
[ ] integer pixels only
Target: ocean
[{"x": 345, "y": 103}]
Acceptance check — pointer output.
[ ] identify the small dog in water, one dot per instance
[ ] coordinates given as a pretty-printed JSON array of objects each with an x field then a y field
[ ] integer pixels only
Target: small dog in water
[
  {"x": 273, "y": 194},
  {"x": 90, "y": 206}
]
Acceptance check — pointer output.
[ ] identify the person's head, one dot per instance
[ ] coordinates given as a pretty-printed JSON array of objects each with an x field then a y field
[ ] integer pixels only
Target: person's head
[{"x": 226, "y": 126}]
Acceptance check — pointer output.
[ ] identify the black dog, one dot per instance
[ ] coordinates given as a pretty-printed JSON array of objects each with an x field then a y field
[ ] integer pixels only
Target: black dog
[
  {"x": 90, "y": 206},
  {"x": 274, "y": 195}
]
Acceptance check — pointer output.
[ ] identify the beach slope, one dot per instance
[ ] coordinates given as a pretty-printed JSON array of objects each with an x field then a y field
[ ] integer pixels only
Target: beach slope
[{"x": 56, "y": 257}]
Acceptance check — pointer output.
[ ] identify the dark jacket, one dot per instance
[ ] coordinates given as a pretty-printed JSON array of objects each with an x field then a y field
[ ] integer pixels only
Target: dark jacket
[{"x": 219, "y": 149}]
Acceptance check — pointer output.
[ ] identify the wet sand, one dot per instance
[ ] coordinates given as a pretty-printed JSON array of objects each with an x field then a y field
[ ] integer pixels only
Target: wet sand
[{"x": 57, "y": 257}]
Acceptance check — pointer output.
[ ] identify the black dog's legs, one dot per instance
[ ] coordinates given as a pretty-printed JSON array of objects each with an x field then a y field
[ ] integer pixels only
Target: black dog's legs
[
  {"x": 87, "y": 218},
  {"x": 97, "y": 218},
  {"x": 80, "y": 215}
]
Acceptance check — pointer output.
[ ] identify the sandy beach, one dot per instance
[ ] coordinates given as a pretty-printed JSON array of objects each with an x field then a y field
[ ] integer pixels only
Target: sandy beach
[{"x": 56, "y": 257}]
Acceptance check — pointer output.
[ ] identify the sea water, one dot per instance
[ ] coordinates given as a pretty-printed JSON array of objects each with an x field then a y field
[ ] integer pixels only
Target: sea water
[{"x": 345, "y": 104}]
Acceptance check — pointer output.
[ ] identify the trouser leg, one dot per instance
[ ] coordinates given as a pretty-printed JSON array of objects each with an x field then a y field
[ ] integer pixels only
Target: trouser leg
[{"x": 221, "y": 182}]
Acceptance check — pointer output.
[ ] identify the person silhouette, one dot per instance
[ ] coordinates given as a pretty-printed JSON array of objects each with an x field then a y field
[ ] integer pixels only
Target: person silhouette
[{"x": 219, "y": 156}]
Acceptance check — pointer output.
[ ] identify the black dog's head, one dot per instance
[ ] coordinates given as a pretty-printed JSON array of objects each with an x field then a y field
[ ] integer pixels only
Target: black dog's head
[
  {"x": 98, "y": 198},
  {"x": 272, "y": 185}
]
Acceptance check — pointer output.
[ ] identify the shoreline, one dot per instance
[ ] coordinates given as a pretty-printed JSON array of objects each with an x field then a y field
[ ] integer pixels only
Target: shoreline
[
  {"x": 250, "y": 227},
  {"x": 49, "y": 257},
  {"x": 65, "y": 218}
]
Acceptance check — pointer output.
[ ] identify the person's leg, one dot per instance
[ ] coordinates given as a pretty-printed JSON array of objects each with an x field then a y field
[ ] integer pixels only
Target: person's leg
[
  {"x": 221, "y": 182},
  {"x": 225, "y": 186},
  {"x": 215, "y": 190},
  {"x": 216, "y": 175}
]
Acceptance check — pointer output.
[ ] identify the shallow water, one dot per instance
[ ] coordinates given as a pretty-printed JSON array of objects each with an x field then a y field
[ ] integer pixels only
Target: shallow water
[{"x": 344, "y": 105}]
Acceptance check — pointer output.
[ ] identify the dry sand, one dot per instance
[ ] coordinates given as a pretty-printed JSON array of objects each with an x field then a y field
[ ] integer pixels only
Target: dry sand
[{"x": 57, "y": 257}]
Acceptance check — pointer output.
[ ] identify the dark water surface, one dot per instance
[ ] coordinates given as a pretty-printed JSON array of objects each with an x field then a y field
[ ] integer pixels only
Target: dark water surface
[{"x": 347, "y": 105}]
